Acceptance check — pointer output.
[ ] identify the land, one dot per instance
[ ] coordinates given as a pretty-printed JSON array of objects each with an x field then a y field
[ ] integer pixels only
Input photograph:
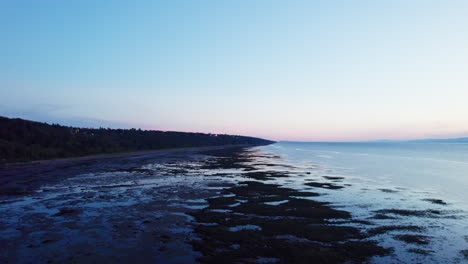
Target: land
[
  {"x": 25, "y": 140},
  {"x": 20, "y": 178}
]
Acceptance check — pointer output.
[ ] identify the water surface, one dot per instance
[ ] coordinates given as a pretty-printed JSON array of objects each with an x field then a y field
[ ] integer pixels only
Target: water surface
[{"x": 394, "y": 184}]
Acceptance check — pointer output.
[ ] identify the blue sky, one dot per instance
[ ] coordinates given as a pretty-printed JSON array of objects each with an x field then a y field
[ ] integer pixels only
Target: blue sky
[{"x": 285, "y": 70}]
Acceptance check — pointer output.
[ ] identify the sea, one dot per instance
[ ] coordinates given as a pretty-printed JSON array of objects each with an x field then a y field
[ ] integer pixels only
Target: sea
[{"x": 395, "y": 185}]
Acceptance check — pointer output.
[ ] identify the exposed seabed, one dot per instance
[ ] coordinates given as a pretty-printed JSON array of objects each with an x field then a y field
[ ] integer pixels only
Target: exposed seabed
[{"x": 221, "y": 205}]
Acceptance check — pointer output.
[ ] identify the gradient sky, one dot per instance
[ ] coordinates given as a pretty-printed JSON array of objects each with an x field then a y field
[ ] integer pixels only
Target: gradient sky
[{"x": 283, "y": 70}]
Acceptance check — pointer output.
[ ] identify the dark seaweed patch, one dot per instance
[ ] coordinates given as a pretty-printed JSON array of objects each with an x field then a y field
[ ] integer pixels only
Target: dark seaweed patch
[
  {"x": 383, "y": 216},
  {"x": 464, "y": 253},
  {"x": 333, "y": 178},
  {"x": 385, "y": 229},
  {"x": 68, "y": 211},
  {"x": 413, "y": 239},
  {"x": 435, "y": 201},
  {"x": 260, "y": 175},
  {"x": 388, "y": 190},
  {"x": 420, "y": 251},
  {"x": 422, "y": 213},
  {"x": 330, "y": 186},
  {"x": 316, "y": 240}
]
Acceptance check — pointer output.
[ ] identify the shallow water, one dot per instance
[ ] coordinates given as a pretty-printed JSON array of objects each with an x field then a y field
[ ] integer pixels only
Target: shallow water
[
  {"x": 439, "y": 168},
  {"x": 392, "y": 184},
  {"x": 397, "y": 193},
  {"x": 112, "y": 211}
]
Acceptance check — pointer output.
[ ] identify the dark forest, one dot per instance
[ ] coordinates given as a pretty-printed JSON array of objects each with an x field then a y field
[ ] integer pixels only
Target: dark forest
[{"x": 24, "y": 140}]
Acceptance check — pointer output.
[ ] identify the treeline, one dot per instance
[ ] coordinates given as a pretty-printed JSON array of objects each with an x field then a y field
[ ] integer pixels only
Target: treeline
[{"x": 24, "y": 140}]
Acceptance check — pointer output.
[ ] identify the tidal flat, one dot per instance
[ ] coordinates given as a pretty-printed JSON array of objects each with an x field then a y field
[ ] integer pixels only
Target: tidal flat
[{"x": 206, "y": 205}]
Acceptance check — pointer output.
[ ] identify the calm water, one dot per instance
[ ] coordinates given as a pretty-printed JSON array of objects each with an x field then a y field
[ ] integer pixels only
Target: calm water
[{"x": 395, "y": 176}]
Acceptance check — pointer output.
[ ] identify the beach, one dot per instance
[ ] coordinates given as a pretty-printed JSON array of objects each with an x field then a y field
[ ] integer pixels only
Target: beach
[{"x": 241, "y": 204}]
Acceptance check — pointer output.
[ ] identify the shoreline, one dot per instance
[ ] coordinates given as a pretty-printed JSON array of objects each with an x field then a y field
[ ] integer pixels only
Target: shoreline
[
  {"x": 26, "y": 177},
  {"x": 96, "y": 157},
  {"x": 197, "y": 205},
  {"x": 222, "y": 204}
]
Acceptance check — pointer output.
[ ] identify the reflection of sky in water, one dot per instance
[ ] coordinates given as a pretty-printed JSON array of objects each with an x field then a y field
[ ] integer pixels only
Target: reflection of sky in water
[
  {"x": 441, "y": 168},
  {"x": 391, "y": 176},
  {"x": 375, "y": 177}
]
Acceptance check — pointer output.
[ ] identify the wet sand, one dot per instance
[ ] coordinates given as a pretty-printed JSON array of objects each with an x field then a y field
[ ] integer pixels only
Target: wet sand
[
  {"x": 210, "y": 205},
  {"x": 22, "y": 177},
  {"x": 258, "y": 222}
]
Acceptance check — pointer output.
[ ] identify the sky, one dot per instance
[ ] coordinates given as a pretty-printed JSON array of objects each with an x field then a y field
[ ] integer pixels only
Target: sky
[{"x": 283, "y": 70}]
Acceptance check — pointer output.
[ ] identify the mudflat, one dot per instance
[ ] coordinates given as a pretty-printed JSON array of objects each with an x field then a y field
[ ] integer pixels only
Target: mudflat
[{"x": 203, "y": 205}]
